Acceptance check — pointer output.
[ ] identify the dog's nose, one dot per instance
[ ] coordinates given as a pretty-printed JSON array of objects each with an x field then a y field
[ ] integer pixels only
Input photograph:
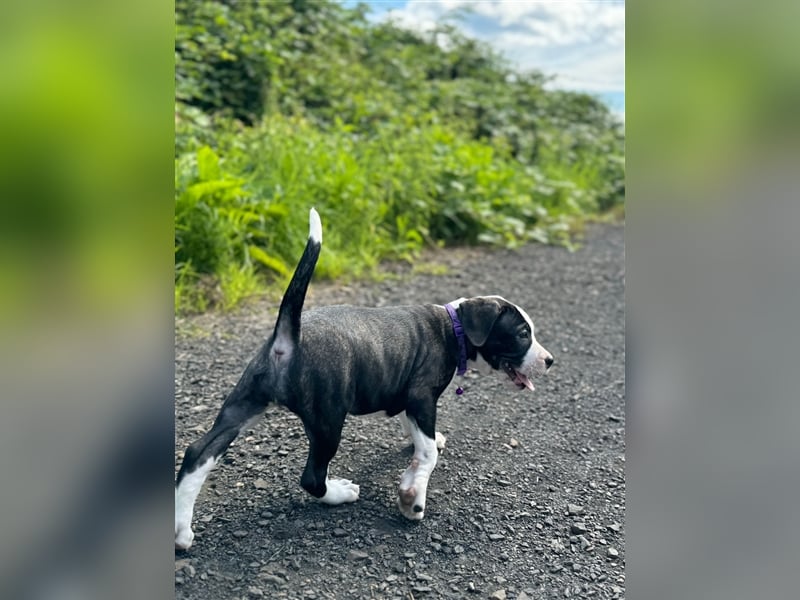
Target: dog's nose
[{"x": 548, "y": 361}]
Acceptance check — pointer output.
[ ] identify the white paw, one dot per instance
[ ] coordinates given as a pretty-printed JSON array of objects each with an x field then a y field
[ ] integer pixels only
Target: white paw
[
  {"x": 411, "y": 504},
  {"x": 339, "y": 491},
  {"x": 183, "y": 537},
  {"x": 412, "y": 492},
  {"x": 440, "y": 441}
]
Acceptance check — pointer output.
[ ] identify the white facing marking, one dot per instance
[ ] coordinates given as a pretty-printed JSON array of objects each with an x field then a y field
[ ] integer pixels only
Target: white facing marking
[
  {"x": 339, "y": 491},
  {"x": 535, "y": 356},
  {"x": 526, "y": 317},
  {"x": 185, "y": 497},
  {"x": 314, "y": 226},
  {"x": 414, "y": 482}
]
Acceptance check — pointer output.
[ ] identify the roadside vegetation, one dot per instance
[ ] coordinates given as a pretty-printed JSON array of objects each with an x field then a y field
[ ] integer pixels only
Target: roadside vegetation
[{"x": 401, "y": 140}]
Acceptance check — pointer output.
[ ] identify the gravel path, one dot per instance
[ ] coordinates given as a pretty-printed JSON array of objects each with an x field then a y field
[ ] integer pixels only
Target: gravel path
[{"x": 527, "y": 500}]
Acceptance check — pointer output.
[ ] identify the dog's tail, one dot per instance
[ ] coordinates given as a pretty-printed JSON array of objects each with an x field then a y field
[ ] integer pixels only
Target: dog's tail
[{"x": 287, "y": 329}]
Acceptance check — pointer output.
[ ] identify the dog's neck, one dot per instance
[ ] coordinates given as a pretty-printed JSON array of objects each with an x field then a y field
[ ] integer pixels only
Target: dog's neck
[{"x": 458, "y": 329}]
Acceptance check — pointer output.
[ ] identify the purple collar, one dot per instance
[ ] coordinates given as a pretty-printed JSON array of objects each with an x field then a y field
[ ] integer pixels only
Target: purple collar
[{"x": 458, "y": 329}]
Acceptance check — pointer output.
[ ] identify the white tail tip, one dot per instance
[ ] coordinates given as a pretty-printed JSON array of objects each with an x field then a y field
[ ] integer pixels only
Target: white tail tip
[{"x": 314, "y": 226}]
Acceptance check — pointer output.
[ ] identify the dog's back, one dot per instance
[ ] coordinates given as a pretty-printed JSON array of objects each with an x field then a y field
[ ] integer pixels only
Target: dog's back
[{"x": 364, "y": 360}]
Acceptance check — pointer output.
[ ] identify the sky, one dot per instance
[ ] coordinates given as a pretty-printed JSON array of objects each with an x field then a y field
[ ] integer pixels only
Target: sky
[{"x": 580, "y": 43}]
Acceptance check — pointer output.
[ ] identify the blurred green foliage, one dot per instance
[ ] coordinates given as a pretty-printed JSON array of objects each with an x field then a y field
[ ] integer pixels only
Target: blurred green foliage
[
  {"x": 399, "y": 139},
  {"x": 712, "y": 105},
  {"x": 86, "y": 152}
]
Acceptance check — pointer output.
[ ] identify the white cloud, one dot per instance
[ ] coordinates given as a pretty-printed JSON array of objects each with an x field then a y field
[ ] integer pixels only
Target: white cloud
[{"x": 582, "y": 44}]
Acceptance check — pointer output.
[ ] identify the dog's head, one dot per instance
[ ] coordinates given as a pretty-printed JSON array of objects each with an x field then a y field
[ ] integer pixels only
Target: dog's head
[{"x": 503, "y": 336}]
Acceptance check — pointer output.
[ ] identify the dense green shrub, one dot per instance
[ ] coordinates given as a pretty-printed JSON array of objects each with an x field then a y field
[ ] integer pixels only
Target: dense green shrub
[{"x": 399, "y": 140}]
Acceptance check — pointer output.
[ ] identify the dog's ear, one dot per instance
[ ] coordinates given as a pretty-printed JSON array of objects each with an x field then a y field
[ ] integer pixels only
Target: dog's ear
[{"x": 478, "y": 316}]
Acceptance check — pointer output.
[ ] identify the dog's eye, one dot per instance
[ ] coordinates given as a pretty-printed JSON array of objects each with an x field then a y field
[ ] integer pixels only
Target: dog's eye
[{"x": 524, "y": 334}]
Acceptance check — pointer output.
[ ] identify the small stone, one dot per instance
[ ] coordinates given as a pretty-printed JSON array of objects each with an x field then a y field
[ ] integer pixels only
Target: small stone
[
  {"x": 357, "y": 555},
  {"x": 189, "y": 570},
  {"x": 574, "y": 509},
  {"x": 523, "y": 596},
  {"x": 339, "y": 532},
  {"x": 578, "y": 528},
  {"x": 496, "y": 537},
  {"x": 240, "y": 533},
  {"x": 503, "y": 482},
  {"x": 260, "y": 484},
  {"x": 471, "y": 587},
  {"x": 458, "y": 549},
  {"x": 498, "y": 595},
  {"x": 548, "y": 521},
  {"x": 612, "y": 552},
  {"x": 436, "y": 537},
  {"x": 255, "y": 592},
  {"x": 513, "y": 443},
  {"x": 422, "y": 588},
  {"x": 616, "y": 527}
]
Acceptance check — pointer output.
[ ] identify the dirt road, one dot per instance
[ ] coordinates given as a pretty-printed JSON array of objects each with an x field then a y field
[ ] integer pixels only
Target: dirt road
[{"x": 527, "y": 500}]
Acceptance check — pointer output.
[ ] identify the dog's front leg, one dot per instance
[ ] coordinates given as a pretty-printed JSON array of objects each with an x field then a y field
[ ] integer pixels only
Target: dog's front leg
[
  {"x": 414, "y": 482},
  {"x": 405, "y": 427}
]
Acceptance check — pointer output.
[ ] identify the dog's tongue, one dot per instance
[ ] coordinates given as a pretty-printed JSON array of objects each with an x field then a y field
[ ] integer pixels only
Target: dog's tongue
[{"x": 523, "y": 379}]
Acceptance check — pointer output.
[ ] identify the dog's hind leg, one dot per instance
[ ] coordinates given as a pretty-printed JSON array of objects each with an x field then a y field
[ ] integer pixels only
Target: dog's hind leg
[
  {"x": 414, "y": 481},
  {"x": 201, "y": 457},
  {"x": 323, "y": 444}
]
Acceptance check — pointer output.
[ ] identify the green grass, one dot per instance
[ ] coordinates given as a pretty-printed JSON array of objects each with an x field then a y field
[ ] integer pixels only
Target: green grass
[{"x": 242, "y": 221}]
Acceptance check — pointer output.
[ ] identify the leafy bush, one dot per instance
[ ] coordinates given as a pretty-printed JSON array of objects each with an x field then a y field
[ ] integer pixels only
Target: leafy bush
[{"x": 399, "y": 139}]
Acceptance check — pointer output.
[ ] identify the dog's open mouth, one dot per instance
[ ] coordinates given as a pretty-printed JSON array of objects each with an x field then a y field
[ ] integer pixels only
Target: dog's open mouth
[{"x": 520, "y": 379}]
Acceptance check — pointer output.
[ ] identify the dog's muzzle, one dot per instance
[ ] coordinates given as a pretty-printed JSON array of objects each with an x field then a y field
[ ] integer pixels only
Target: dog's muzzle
[{"x": 519, "y": 378}]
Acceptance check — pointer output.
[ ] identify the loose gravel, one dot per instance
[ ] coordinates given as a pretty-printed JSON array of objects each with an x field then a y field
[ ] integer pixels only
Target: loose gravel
[{"x": 527, "y": 500}]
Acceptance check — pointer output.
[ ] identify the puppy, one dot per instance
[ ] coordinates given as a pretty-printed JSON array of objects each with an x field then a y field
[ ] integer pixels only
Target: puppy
[{"x": 330, "y": 362}]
